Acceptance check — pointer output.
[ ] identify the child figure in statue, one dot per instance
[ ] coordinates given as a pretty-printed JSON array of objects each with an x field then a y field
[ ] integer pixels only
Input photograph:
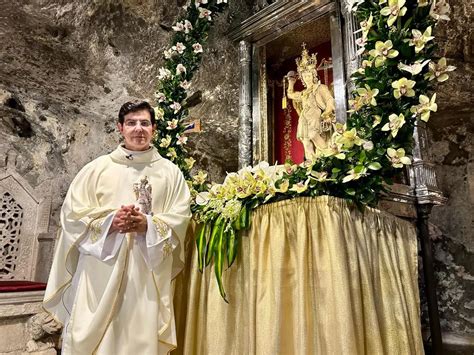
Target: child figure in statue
[{"x": 315, "y": 106}]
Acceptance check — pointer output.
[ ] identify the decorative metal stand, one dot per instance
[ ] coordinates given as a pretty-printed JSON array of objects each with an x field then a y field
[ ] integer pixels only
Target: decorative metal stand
[
  {"x": 270, "y": 22},
  {"x": 423, "y": 178}
]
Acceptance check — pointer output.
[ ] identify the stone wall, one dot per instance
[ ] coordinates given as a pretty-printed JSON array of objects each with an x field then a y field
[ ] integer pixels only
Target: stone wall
[
  {"x": 67, "y": 66},
  {"x": 451, "y": 133}
]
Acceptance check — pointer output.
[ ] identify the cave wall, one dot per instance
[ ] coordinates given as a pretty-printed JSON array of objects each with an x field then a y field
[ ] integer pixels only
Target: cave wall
[{"x": 67, "y": 66}]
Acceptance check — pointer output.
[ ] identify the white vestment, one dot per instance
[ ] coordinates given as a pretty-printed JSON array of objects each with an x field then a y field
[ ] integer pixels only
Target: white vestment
[{"x": 113, "y": 292}]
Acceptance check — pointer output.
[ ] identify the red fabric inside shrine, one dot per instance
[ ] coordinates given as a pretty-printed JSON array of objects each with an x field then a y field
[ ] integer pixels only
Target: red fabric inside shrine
[
  {"x": 286, "y": 146},
  {"x": 21, "y": 286}
]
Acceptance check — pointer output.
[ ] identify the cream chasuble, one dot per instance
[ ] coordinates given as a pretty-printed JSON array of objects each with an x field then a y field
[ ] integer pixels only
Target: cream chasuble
[{"x": 112, "y": 291}]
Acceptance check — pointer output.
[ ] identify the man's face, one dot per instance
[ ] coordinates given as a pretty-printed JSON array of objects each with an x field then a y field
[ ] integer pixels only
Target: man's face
[{"x": 137, "y": 130}]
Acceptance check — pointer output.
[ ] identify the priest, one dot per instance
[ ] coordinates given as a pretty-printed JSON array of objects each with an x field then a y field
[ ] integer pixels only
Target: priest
[{"x": 123, "y": 223}]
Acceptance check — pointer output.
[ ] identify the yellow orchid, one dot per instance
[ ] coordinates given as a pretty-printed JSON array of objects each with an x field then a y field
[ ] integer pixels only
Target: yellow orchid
[
  {"x": 396, "y": 122},
  {"x": 290, "y": 168},
  {"x": 355, "y": 174},
  {"x": 439, "y": 70},
  {"x": 423, "y": 3},
  {"x": 397, "y": 157},
  {"x": 231, "y": 210},
  {"x": 349, "y": 138},
  {"x": 200, "y": 177},
  {"x": 368, "y": 95},
  {"x": 243, "y": 189},
  {"x": 420, "y": 39},
  {"x": 425, "y": 107},
  {"x": 335, "y": 150},
  {"x": 365, "y": 63},
  {"x": 159, "y": 113},
  {"x": 320, "y": 176},
  {"x": 414, "y": 68},
  {"x": 394, "y": 10},
  {"x": 165, "y": 142},
  {"x": 300, "y": 186},
  {"x": 377, "y": 120},
  {"x": 403, "y": 87},
  {"x": 283, "y": 187},
  {"x": 189, "y": 162},
  {"x": 366, "y": 25},
  {"x": 355, "y": 104},
  {"x": 382, "y": 51},
  {"x": 172, "y": 154}
]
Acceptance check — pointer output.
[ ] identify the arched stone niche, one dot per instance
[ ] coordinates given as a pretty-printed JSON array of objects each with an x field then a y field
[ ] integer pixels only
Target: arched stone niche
[{"x": 24, "y": 222}]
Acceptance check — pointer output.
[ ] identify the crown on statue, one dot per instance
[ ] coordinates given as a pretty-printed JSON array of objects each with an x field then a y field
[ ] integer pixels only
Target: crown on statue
[{"x": 306, "y": 62}]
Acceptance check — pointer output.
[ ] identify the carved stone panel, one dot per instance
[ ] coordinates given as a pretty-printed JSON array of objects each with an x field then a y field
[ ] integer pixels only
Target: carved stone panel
[{"x": 24, "y": 216}]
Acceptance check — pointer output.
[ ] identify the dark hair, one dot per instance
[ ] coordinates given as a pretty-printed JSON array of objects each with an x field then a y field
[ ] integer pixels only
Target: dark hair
[{"x": 134, "y": 106}]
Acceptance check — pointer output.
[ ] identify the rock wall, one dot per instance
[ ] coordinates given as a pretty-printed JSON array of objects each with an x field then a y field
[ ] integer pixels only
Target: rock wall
[
  {"x": 67, "y": 66},
  {"x": 451, "y": 132}
]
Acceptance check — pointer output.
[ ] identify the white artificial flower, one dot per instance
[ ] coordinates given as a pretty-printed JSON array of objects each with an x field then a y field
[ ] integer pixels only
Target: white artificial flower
[
  {"x": 185, "y": 84},
  {"x": 172, "y": 124},
  {"x": 168, "y": 53},
  {"x": 200, "y": 2},
  {"x": 179, "y": 47},
  {"x": 368, "y": 145},
  {"x": 221, "y": 2},
  {"x": 178, "y": 27},
  {"x": 180, "y": 68},
  {"x": 160, "y": 96},
  {"x": 182, "y": 140},
  {"x": 202, "y": 198},
  {"x": 175, "y": 106},
  {"x": 197, "y": 48},
  {"x": 361, "y": 42},
  {"x": 163, "y": 73},
  {"x": 187, "y": 26},
  {"x": 440, "y": 10},
  {"x": 205, "y": 13}
]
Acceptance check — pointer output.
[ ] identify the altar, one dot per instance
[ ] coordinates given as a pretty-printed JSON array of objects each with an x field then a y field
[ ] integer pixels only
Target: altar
[{"x": 314, "y": 276}]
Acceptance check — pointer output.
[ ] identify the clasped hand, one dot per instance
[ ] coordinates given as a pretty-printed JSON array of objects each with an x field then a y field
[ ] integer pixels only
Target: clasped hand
[{"x": 129, "y": 219}]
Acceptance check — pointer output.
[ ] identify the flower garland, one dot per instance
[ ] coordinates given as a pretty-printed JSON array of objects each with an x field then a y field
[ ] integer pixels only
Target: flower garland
[
  {"x": 393, "y": 88},
  {"x": 182, "y": 59}
]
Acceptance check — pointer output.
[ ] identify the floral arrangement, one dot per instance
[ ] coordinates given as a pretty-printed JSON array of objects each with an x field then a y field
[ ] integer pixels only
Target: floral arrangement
[
  {"x": 182, "y": 59},
  {"x": 393, "y": 88}
]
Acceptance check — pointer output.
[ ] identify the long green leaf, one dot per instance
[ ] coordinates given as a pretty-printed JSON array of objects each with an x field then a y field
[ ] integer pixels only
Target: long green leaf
[
  {"x": 213, "y": 240},
  {"x": 201, "y": 244},
  {"x": 233, "y": 243},
  {"x": 219, "y": 255}
]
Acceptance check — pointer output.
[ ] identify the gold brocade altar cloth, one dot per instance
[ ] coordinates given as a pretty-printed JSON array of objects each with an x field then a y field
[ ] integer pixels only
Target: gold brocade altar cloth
[{"x": 313, "y": 276}]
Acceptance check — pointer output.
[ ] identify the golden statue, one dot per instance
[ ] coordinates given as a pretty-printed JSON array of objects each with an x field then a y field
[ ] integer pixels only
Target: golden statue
[{"x": 315, "y": 105}]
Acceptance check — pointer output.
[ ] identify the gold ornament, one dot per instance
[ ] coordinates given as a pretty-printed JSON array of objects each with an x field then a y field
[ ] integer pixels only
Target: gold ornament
[{"x": 306, "y": 62}]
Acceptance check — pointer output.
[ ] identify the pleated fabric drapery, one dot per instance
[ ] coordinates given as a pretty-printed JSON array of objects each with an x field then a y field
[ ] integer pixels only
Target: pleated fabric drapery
[{"x": 313, "y": 276}]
